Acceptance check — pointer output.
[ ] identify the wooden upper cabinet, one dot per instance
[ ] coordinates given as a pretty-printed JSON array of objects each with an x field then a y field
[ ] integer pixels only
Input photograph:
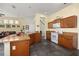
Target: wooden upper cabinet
[
  {"x": 68, "y": 22},
  {"x": 50, "y": 25}
]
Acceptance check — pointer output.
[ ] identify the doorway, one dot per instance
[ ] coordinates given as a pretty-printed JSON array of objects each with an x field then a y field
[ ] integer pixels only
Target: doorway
[{"x": 42, "y": 28}]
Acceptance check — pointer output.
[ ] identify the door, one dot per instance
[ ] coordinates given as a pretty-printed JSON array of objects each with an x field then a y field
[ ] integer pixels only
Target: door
[{"x": 42, "y": 29}]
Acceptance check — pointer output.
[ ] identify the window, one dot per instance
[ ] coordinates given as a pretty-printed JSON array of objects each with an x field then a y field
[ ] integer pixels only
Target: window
[
  {"x": 10, "y": 21},
  {"x": 27, "y": 27},
  {"x": 2, "y": 26},
  {"x": 18, "y": 25},
  {"x": 16, "y": 22},
  {"x": 5, "y": 21},
  {"x": 13, "y": 26},
  {"x": 8, "y": 26}
]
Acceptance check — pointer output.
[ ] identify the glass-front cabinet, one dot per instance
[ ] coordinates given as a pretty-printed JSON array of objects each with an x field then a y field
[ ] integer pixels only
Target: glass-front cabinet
[{"x": 5, "y": 23}]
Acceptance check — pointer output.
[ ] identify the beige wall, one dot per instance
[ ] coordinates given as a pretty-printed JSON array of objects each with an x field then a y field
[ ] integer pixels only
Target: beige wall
[
  {"x": 37, "y": 21},
  {"x": 65, "y": 12},
  {"x": 70, "y": 10}
]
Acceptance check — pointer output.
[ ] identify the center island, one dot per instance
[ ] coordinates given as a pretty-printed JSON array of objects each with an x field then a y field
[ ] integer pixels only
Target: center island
[{"x": 16, "y": 45}]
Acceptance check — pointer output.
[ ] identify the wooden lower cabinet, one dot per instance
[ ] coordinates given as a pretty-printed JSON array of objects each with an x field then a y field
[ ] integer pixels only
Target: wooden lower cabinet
[
  {"x": 48, "y": 35},
  {"x": 60, "y": 40},
  {"x": 37, "y": 37},
  {"x": 68, "y": 41},
  {"x": 31, "y": 38},
  {"x": 19, "y": 48}
]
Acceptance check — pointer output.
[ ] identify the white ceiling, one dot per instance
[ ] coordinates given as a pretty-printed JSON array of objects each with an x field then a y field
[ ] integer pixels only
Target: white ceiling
[{"x": 30, "y": 9}]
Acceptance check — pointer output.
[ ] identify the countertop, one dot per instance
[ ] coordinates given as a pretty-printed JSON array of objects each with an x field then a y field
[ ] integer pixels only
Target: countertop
[
  {"x": 11, "y": 38},
  {"x": 68, "y": 34}
]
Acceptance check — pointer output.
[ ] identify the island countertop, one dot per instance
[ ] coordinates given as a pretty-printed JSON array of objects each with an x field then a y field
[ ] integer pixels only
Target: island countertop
[{"x": 11, "y": 38}]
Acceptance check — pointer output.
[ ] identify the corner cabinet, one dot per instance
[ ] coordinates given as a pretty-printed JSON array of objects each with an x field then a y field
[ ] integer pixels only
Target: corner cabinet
[
  {"x": 35, "y": 38},
  {"x": 68, "y": 22}
]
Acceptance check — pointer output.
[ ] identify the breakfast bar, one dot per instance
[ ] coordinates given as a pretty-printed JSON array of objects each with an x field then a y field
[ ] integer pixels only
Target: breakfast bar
[{"x": 16, "y": 45}]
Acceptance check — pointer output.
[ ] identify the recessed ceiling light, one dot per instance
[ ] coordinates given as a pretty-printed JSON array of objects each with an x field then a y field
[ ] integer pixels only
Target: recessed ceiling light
[
  {"x": 13, "y": 6},
  {"x": 65, "y": 3},
  {"x": 45, "y": 12},
  {"x": 29, "y": 6}
]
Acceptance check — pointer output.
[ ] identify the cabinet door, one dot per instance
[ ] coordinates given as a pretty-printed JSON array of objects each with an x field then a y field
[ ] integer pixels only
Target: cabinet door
[
  {"x": 60, "y": 40},
  {"x": 31, "y": 39},
  {"x": 48, "y": 35},
  {"x": 69, "y": 22},
  {"x": 68, "y": 42},
  {"x": 63, "y": 24},
  {"x": 37, "y": 37},
  {"x": 19, "y": 48},
  {"x": 50, "y": 25}
]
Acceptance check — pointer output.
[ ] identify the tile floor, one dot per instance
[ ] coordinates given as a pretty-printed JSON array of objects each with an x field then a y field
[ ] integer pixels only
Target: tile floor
[
  {"x": 1, "y": 49},
  {"x": 45, "y": 48}
]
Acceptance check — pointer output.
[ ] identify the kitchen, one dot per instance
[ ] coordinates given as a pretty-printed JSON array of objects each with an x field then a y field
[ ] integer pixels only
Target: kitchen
[{"x": 39, "y": 35}]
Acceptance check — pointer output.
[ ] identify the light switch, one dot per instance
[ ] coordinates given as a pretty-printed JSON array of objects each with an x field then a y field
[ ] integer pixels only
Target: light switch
[{"x": 13, "y": 47}]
